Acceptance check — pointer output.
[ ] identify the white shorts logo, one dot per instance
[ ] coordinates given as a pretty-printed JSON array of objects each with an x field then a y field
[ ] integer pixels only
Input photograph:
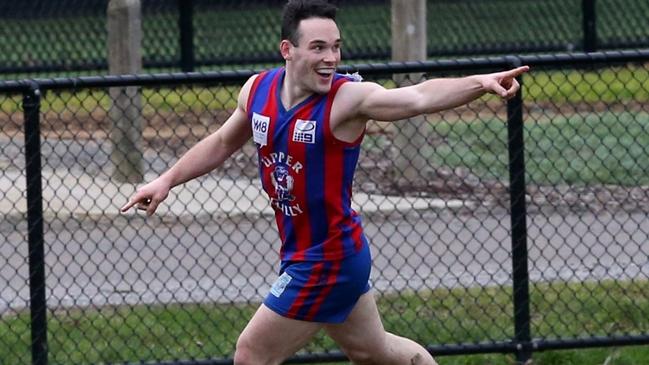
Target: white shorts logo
[
  {"x": 304, "y": 131},
  {"x": 280, "y": 284},
  {"x": 260, "y": 125}
]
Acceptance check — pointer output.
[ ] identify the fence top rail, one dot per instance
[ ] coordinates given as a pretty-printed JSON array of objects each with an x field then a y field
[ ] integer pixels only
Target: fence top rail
[{"x": 210, "y": 77}]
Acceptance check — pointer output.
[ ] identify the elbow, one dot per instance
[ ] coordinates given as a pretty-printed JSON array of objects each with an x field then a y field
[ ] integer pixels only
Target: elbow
[
  {"x": 423, "y": 108},
  {"x": 224, "y": 144}
]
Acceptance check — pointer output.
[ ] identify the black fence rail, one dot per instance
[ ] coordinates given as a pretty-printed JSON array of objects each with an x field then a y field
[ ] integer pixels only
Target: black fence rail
[
  {"x": 70, "y": 36},
  {"x": 525, "y": 229}
]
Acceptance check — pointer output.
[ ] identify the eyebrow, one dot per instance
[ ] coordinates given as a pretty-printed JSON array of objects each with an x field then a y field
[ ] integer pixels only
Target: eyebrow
[{"x": 320, "y": 41}]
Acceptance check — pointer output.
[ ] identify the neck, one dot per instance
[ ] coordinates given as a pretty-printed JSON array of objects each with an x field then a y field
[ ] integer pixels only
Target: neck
[{"x": 291, "y": 93}]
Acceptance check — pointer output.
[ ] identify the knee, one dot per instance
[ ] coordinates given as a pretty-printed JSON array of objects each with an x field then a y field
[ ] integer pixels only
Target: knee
[
  {"x": 386, "y": 357},
  {"x": 390, "y": 350},
  {"x": 245, "y": 353},
  {"x": 367, "y": 350},
  {"x": 242, "y": 355},
  {"x": 360, "y": 358},
  {"x": 363, "y": 356},
  {"x": 248, "y": 353}
]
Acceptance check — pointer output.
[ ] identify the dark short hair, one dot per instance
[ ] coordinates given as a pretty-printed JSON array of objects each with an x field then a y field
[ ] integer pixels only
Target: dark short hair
[{"x": 297, "y": 10}]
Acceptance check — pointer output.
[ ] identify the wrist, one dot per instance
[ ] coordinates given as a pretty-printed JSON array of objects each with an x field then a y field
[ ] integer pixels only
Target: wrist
[
  {"x": 479, "y": 84},
  {"x": 168, "y": 179}
]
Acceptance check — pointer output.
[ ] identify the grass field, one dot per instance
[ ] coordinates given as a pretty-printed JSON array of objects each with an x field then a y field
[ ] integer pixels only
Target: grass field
[
  {"x": 590, "y": 149},
  {"x": 441, "y": 316},
  {"x": 629, "y": 84},
  {"x": 242, "y": 32}
]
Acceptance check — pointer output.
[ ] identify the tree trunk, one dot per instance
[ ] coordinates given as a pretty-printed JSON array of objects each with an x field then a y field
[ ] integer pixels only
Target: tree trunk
[
  {"x": 125, "y": 57},
  {"x": 409, "y": 44}
]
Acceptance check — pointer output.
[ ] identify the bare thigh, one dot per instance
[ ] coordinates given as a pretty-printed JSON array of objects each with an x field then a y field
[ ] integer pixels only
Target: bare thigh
[
  {"x": 270, "y": 338},
  {"x": 364, "y": 340},
  {"x": 362, "y": 329}
]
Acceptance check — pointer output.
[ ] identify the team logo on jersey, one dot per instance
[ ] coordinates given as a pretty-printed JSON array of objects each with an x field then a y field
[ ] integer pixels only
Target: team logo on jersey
[
  {"x": 260, "y": 125},
  {"x": 283, "y": 199},
  {"x": 304, "y": 131},
  {"x": 282, "y": 167},
  {"x": 283, "y": 183}
]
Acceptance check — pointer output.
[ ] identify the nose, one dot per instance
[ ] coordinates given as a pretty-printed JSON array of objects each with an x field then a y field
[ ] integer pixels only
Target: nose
[{"x": 331, "y": 56}]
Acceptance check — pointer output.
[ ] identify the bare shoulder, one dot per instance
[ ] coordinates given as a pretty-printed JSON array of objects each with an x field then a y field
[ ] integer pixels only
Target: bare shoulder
[
  {"x": 351, "y": 97},
  {"x": 250, "y": 81},
  {"x": 242, "y": 101},
  {"x": 348, "y": 118},
  {"x": 360, "y": 89}
]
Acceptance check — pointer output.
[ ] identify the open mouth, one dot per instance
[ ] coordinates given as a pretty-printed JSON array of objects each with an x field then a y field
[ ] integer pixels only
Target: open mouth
[{"x": 325, "y": 73}]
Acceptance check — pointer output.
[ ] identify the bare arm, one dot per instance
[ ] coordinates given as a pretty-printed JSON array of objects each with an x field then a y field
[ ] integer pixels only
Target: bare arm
[
  {"x": 212, "y": 151},
  {"x": 202, "y": 158},
  {"x": 372, "y": 101}
]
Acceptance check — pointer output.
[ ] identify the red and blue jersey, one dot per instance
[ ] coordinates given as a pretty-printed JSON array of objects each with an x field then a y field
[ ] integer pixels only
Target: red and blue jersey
[{"x": 306, "y": 171}]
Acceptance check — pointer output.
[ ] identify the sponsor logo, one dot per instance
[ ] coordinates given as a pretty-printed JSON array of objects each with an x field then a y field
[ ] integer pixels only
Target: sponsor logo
[
  {"x": 260, "y": 125},
  {"x": 304, "y": 131}
]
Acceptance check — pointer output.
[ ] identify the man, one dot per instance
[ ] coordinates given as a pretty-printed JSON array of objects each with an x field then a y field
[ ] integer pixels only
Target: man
[{"x": 307, "y": 123}]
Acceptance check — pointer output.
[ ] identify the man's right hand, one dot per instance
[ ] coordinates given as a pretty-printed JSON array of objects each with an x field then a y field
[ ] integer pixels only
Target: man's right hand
[{"x": 148, "y": 197}]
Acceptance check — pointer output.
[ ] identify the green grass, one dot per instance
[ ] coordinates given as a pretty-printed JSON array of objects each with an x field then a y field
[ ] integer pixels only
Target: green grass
[
  {"x": 606, "y": 148},
  {"x": 615, "y": 84},
  {"x": 565, "y": 87},
  {"x": 178, "y": 100},
  {"x": 441, "y": 316},
  {"x": 589, "y": 148},
  {"x": 248, "y": 30}
]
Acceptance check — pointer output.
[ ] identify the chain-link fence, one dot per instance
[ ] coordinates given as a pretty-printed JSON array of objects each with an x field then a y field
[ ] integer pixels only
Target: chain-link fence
[
  {"x": 64, "y": 37},
  {"x": 525, "y": 229}
]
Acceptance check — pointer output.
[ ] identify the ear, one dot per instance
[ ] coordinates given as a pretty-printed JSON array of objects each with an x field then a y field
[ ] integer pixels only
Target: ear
[{"x": 285, "y": 49}]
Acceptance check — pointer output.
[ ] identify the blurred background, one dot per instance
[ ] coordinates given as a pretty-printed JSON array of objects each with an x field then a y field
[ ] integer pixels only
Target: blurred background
[{"x": 502, "y": 232}]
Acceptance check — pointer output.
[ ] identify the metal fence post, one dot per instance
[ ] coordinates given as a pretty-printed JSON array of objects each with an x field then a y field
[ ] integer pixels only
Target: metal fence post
[
  {"x": 37, "y": 299},
  {"x": 186, "y": 26},
  {"x": 589, "y": 25},
  {"x": 520, "y": 273}
]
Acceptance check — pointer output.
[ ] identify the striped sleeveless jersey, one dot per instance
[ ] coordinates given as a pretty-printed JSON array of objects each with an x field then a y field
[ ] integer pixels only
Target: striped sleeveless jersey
[{"x": 306, "y": 171}]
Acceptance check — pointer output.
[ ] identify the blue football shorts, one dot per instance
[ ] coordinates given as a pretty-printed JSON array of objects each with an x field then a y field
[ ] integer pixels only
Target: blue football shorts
[{"x": 321, "y": 291}]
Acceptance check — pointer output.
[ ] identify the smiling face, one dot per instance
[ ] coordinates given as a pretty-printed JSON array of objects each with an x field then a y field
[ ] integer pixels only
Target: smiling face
[{"x": 312, "y": 62}]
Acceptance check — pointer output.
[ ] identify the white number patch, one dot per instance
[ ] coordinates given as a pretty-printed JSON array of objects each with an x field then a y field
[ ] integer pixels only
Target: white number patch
[{"x": 260, "y": 125}]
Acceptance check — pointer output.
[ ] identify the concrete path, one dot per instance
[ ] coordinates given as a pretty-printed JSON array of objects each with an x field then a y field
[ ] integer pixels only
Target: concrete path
[{"x": 215, "y": 239}]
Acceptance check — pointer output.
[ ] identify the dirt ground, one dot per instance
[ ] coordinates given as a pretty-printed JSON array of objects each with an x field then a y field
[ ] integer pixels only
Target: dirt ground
[{"x": 173, "y": 133}]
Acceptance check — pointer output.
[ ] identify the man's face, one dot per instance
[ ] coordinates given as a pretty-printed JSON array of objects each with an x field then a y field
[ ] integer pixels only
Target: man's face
[{"x": 315, "y": 58}]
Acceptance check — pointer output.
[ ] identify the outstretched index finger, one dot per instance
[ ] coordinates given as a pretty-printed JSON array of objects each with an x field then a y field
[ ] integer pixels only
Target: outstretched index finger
[
  {"x": 515, "y": 72},
  {"x": 134, "y": 200}
]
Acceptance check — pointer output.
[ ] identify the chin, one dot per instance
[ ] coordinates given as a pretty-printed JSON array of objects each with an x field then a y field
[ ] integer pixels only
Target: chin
[{"x": 322, "y": 88}]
